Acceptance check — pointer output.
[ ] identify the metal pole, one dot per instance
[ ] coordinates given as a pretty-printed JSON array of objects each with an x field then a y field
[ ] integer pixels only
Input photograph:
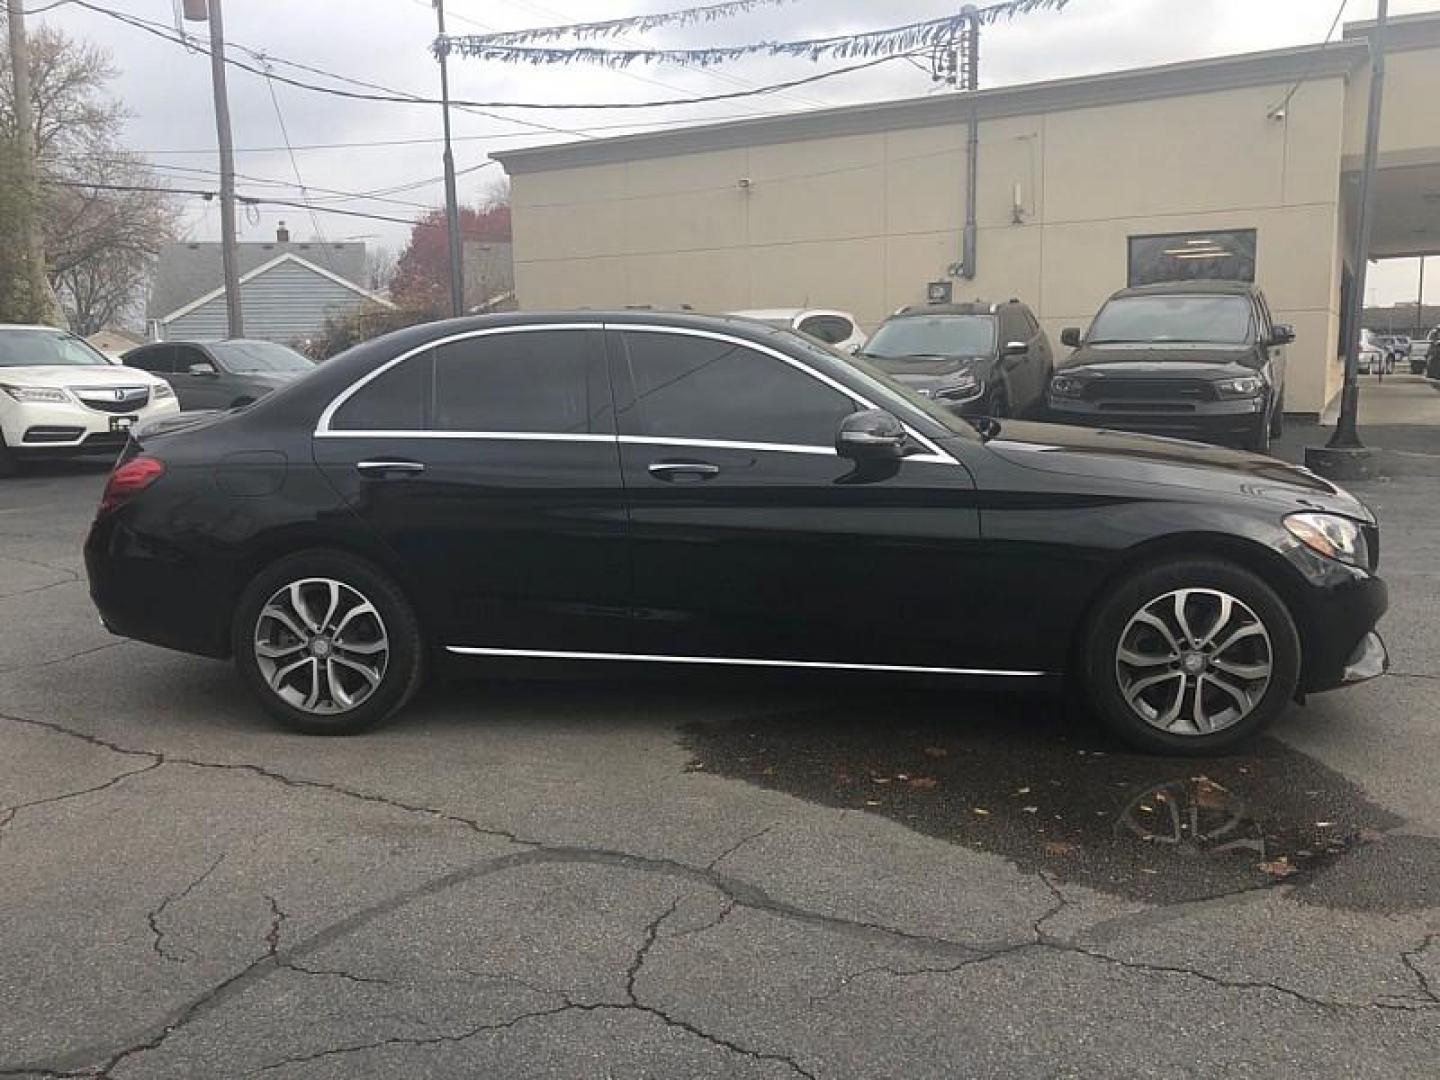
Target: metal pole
[
  {"x": 1347, "y": 435},
  {"x": 972, "y": 142},
  {"x": 38, "y": 307},
  {"x": 1420, "y": 329},
  {"x": 452, "y": 200},
  {"x": 235, "y": 316}
]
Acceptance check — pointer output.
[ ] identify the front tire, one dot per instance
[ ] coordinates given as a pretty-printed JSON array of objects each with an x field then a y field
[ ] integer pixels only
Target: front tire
[
  {"x": 328, "y": 643},
  {"x": 1259, "y": 440},
  {"x": 1190, "y": 657},
  {"x": 8, "y": 465}
]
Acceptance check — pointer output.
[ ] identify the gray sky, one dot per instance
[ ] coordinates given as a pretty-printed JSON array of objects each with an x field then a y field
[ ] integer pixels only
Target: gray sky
[{"x": 385, "y": 41}]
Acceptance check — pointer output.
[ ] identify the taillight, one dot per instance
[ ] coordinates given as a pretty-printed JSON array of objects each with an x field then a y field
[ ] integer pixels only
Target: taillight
[{"x": 128, "y": 480}]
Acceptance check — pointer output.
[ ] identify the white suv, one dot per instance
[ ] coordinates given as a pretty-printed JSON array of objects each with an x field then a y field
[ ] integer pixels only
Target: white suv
[{"x": 60, "y": 397}]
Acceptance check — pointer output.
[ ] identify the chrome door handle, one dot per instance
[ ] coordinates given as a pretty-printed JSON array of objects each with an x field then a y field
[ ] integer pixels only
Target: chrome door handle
[
  {"x": 380, "y": 468},
  {"x": 663, "y": 470}
]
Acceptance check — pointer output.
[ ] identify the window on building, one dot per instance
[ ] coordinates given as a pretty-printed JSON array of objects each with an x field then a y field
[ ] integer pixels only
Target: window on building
[
  {"x": 1223, "y": 255},
  {"x": 700, "y": 388}
]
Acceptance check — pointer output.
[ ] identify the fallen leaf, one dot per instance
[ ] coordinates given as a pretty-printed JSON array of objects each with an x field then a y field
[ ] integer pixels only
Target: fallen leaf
[
  {"x": 923, "y": 783},
  {"x": 1370, "y": 836},
  {"x": 1281, "y": 867},
  {"x": 1060, "y": 847},
  {"x": 1324, "y": 824},
  {"x": 980, "y": 810},
  {"x": 1147, "y": 870},
  {"x": 879, "y": 779},
  {"x": 694, "y": 766},
  {"x": 902, "y": 776},
  {"x": 1029, "y": 809},
  {"x": 1022, "y": 791},
  {"x": 872, "y": 802},
  {"x": 936, "y": 751}
]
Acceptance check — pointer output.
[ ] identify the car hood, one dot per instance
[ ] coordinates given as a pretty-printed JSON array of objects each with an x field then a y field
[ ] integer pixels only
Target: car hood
[
  {"x": 1122, "y": 455},
  {"x": 925, "y": 370},
  {"x": 1180, "y": 360},
  {"x": 76, "y": 375}
]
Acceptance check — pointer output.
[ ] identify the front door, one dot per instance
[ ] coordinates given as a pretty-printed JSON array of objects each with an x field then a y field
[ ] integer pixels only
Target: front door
[
  {"x": 752, "y": 539},
  {"x": 199, "y": 391},
  {"x": 488, "y": 464}
]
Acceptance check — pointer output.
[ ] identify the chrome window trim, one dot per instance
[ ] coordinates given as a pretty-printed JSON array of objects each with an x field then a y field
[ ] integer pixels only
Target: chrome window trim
[
  {"x": 324, "y": 430},
  {"x": 322, "y": 426},
  {"x": 511, "y": 436},
  {"x": 736, "y": 661},
  {"x": 819, "y": 376}
]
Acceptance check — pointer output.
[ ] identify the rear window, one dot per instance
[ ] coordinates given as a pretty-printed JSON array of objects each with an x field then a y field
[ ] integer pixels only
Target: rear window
[{"x": 1220, "y": 320}]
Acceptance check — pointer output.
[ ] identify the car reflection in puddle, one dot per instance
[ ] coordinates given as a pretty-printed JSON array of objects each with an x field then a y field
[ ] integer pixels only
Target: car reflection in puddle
[{"x": 982, "y": 773}]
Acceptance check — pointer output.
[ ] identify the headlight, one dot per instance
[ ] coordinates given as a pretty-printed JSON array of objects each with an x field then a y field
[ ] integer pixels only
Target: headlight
[
  {"x": 162, "y": 391},
  {"x": 1244, "y": 387},
  {"x": 1064, "y": 386},
  {"x": 37, "y": 395},
  {"x": 963, "y": 386},
  {"x": 1333, "y": 536}
]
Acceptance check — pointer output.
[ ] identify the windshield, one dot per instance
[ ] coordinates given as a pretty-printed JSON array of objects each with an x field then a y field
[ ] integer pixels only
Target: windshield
[
  {"x": 251, "y": 357},
  {"x": 37, "y": 348},
  {"x": 1221, "y": 320},
  {"x": 933, "y": 335},
  {"x": 885, "y": 390}
]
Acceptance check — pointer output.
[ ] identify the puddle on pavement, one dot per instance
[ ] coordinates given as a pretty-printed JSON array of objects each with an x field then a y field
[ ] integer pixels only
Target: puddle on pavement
[{"x": 995, "y": 775}]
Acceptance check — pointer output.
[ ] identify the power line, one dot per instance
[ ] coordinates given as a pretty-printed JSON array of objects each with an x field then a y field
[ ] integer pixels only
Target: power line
[
  {"x": 412, "y": 99},
  {"x": 295, "y": 166},
  {"x": 1310, "y": 67}
]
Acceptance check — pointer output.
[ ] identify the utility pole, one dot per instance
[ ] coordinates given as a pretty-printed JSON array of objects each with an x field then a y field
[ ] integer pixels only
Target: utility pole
[
  {"x": 1420, "y": 328},
  {"x": 1345, "y": 456},
  {"x": 37, "y": 286},
  {"x": 200, "y": 10},
  {"x": 452, "y": 200}
]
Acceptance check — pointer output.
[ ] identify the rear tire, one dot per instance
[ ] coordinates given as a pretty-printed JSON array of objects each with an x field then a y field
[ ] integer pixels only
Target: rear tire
[
  {"x": 1236, "y": 668},
  {"x": 328, "y": 643}
]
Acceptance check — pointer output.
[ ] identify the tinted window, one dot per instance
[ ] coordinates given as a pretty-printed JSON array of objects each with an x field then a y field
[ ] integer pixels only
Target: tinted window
[
  {"x": 158, "y": 360},
  {"x": 185, "y": 355},
  {"x": 1218, "y": 319},
  {"x": 699, "y": 388},
  {"x": 828, "y": 328},
  {"x": 520, "y": 382},
  {"x": 394, "y": 401},
  {"x": 249, "y": 357},
  {"x": 934, "y": 335}
]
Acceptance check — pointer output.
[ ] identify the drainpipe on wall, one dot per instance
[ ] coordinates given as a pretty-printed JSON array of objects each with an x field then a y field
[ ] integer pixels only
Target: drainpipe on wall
[{"x": 970, "y": 67}]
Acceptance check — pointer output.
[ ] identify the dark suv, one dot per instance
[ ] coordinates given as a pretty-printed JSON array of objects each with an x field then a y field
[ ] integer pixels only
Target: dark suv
[
  {"x": 976, "y": 359},
  {"x": 1195, "y": 359},
  {"x": 220, "y": 374}
]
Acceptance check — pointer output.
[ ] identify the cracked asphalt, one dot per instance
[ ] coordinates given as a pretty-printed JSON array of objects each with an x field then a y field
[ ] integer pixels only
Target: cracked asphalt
[{"x": 733, "y": 877}]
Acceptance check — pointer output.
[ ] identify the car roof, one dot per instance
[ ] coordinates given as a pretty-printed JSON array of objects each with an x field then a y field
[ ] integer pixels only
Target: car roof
[
  {"x": 974, "y": 307},
  {"x": 1180, "y": 288},
  {"x": 788, "y": 313}
]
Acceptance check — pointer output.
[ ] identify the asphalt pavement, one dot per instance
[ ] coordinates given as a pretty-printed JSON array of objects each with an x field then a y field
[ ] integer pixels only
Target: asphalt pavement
[{"x": 729, "y": 877}]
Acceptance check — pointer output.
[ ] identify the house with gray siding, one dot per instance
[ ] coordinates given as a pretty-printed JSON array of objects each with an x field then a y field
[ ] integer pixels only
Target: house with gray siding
[{"x": 287, "y": 290}]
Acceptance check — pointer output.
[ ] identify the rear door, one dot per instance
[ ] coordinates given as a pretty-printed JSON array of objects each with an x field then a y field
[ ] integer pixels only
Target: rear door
[
  {"x": 488, "y": 464},
  {"x": 753, "y": 540}
]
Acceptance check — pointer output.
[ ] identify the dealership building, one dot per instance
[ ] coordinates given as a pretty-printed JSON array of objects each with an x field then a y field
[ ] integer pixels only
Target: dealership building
[{"x": 1243, "y": 167}]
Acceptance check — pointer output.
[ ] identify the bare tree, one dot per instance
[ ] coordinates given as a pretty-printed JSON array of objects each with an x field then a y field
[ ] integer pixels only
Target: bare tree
[
  {"x": 102, "y": 214},
  {"x": 379, "y": 269}
]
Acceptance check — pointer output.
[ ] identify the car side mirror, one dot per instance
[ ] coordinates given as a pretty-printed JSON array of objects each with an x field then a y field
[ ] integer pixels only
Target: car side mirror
[
  {"x": 1070, "y": 337},
  {"x": 1016, "y": 348},
  {"x": 202, "y": 369},
  {"x": 870, "y": 435},
  {"x": 1282, "y": 334}
]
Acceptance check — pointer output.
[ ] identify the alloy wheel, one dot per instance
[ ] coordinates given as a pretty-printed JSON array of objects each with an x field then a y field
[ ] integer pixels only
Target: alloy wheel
[
  {"x": 321, "y": 646},
  {"x": 1194, "y": 661}
]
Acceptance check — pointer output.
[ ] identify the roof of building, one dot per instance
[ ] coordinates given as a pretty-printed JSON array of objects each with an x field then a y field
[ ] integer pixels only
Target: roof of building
[
  {"x": 275, "y": 260},
  {"x": 187, "y": 271},
  {"x": 1272, "y": 67}
]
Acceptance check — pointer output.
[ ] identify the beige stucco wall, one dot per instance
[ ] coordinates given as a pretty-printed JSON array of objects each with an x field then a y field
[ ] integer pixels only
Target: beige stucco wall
[{"x": 863, "y": 222}]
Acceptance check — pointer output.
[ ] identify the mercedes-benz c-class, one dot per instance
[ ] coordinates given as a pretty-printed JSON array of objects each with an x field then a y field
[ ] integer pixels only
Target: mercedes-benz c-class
[{"x": 639, "y": 488}]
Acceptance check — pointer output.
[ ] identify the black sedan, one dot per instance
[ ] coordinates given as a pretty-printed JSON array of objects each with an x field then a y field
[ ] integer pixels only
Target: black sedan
[{"x": 642, "y": 488}]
